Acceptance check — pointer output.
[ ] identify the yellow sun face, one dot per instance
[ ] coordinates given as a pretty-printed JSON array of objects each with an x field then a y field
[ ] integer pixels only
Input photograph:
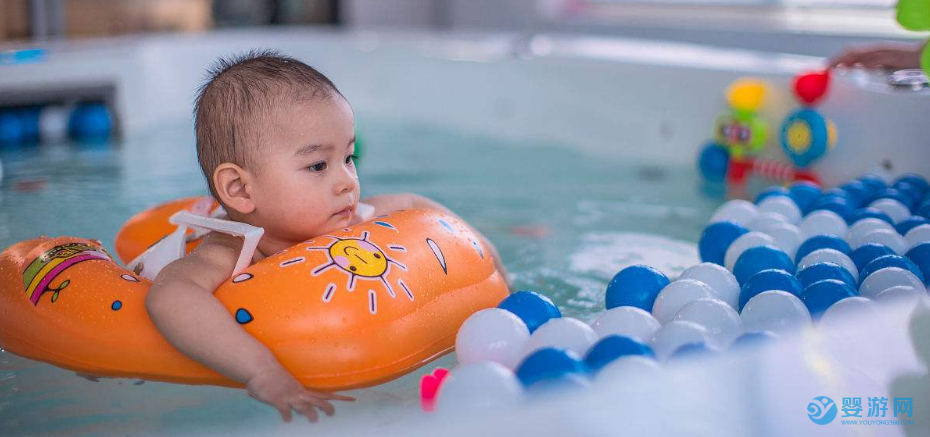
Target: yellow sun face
[
  {"x": 799, "y": 136},
  {"x": 359, "y": 257}
]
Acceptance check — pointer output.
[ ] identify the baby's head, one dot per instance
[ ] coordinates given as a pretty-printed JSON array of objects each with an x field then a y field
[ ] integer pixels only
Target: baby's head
[{"x": 275, "y": 140}]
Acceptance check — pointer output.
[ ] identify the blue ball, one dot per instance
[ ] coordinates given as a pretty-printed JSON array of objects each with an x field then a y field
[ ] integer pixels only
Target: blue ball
[
  {"x": 759, "y": 258},
  {"x": 90, "y": 122},
  {"x": 713, "y": 162},
  {"x": 825, "y": 270},
  {"x": 915, "y": 180},
  {"x": 11, "y": 129},
  {"x": 873, "y": 181},
  {"x": 910, "y": 223},
  {"x": 838, "y": 204},
  {"x": 818, "y": 242},
  {"x": 716, "y": 239},
  {"x": 804, "y": 193},
  {"x": 920, "y": 254},
  {"x": 772, "y": 191},
  {"x": 690, "y": 350},
  {"x": 29, "y": 122},
  {"x": 822, "y": 294},
  {"x": 635, "y": 286},
  {"x": 864, "y": 254},
  {"x": 890, "y": 261},
  {"x": 768, "y": 280},
  {"x": 869, "y": 212},
  {"x": 912, "y": 192},
  {"x": 531, "y": 307},
  {"x": 924, "y": 209},
  {"x": 859, "y": 193},
  {"x": 548, "y": 364},
  {"x": 893, "y": 193},
  {"x": 752, "y": 339},
  {"x": 612, "y": 347}
]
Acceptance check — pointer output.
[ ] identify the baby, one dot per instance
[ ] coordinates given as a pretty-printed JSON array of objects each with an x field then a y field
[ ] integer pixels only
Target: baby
[{"x": 275, "y": 140}]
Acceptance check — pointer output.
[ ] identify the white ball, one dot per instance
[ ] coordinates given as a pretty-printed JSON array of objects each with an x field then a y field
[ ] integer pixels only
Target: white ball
[
  {"x": 831, "y": 256},
  {"x": 858, "y": 230},
  {"x": 479, "y": 385},
  {"x": 676, "y": 295},
  {"x": 721, "y": 320},
  {"x": 627, "y": 368},
  {"x": 743, "y": 243},
  {"x": 766, "y": 219},
  {"x": 777, "y": 311},
  {"x": 889, "y": 238},
  {"x": 917, "y": 235},
  {"x": 782, "y": 205},
  {"x": 492, "y": 334},
  {"x": 787, "y": 237},
  {"x": 626, "y": 321},
  {"x": 53, "y": 124},
  {"x": 718, "y": 278},
  {"x": 848, "y": 309},
  {"x": 675, "y": 334},
  {"x": 886, "y": 278},
  {"x": 901, "y": 294},
  {"x": 739, "y": 211},
  {"x": 895, "y": 209},
  {"x": 823, "y": 222},
  {"x": 563, "y": 333}
]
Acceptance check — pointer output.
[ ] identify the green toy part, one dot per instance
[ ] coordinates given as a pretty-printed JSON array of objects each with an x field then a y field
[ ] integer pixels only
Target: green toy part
[{"x": 915, "y": 15}]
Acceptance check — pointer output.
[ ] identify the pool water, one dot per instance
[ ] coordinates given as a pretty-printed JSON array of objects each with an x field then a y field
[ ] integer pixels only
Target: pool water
[{"x": 564, "y": 223}]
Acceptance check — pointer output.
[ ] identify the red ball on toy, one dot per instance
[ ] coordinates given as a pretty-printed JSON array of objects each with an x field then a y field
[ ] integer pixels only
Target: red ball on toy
[{"x": 811, "y": 87}]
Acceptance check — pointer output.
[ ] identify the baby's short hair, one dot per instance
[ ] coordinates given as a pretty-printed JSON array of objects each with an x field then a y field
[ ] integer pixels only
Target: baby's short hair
[{"x": 239, "y": 93}]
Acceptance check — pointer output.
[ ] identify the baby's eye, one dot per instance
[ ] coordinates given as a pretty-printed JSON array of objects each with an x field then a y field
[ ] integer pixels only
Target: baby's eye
[
  {"x": 351, "y": 159},
  {"x": 318, "y": 167}
]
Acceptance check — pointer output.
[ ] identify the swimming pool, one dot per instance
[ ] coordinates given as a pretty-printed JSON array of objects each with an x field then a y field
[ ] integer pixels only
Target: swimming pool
[{"x": 574, "y": 161}]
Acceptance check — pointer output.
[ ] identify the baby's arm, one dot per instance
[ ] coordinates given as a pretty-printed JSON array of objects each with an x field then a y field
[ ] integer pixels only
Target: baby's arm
[
  {"x": 183, "y": 308},
  {"x": 388, "y": 203}
]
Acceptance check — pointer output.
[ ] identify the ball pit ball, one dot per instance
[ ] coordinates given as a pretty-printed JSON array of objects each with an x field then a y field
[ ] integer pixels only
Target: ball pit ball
[
  {"x": 821, "y": 295},
  {"x": 823, "y": 222},
  {"x": 630, "y": 367},
  {"x": 787, "y": 237},
  {"x": 713, "y": 163},
  {"x": 833, "y": 256},
  {"x": 767, "y": 280},
  {"x": 897, "y": 211},
  {"x": 741, "y": 244},
  {"x": 850, "y": 308},
  {"x": 888, "y": 237},
  {"x": 910, "y": 223},
  {"x": 674, "y": 334},
  {"x": 738, "y": 211},
  {"x": 891, "y": 261},
  {"x": 753, "y": 339},
  {"x": 718, "y": 278},
  {"x": 886, "y": 278},
  {"x": 804, "y": 193},
  {"x": 720, "y": 320},
  {"x": 531, "y": 307},
  {"x": 818, "y": 242},
  {"x": 612, "y": 347},
  {"x": 864, "y": 254},
  {"x": 479, "y": 386},
  {"x": 870, "y": 212},
  {"x": 626, "y": 321},
  {"x": 917, "y": 235},
  {"x": 549, "y": 363},
  {"x": 825, "y": 270},
  {"x": 636, "y": 286},
  {"x": 759, "y": 258},
  {"x": 840, "y": 205},
  {"x": 564, "y": 333},
  {"x": 781, "y": 205},
  {"x": 776, "y": 311},
  {"x": 920, "y": 254},
  {"x": 676, "y": 295},
  {"x": 491, "y": 334},
  {"x": 772, "y": 191},
  {"x": 716, "y": 239}
]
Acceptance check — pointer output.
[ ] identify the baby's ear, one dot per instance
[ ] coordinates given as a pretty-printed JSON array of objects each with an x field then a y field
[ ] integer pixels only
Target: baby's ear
[{"x": 231, "y": 183}]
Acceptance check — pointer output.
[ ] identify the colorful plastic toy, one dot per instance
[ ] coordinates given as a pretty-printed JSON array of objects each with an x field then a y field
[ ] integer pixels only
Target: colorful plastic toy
[
  {"x": 806, "y": 135},
  {"x": 742, "y": 131},
  {"x": 915, "y": 15}
]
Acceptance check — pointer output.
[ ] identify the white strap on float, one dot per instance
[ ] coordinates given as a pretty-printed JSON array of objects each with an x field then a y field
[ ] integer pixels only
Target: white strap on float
[
  {"x": 365, "y": 211},
  {"x": 250, "y": 234},
  {"x": 173, "y": 247}
]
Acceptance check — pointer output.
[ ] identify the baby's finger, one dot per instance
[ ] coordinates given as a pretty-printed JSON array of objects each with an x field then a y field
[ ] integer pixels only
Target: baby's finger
[
  {"x": 285, "y": 411},
  {"x": 322, "y": 404},
  {"x": 306, "y": 408},
  {"x": 335, "y": 397}
]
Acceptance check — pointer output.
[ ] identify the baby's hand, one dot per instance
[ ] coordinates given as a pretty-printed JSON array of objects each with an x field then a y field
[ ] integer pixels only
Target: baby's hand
[
  {"x": 891, "y": 56},
  {"x": 281, "y": 390}
]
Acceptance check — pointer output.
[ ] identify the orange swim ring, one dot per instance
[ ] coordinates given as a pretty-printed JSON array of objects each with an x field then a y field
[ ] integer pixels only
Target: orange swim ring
[{"x": 349, "y": 309}]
